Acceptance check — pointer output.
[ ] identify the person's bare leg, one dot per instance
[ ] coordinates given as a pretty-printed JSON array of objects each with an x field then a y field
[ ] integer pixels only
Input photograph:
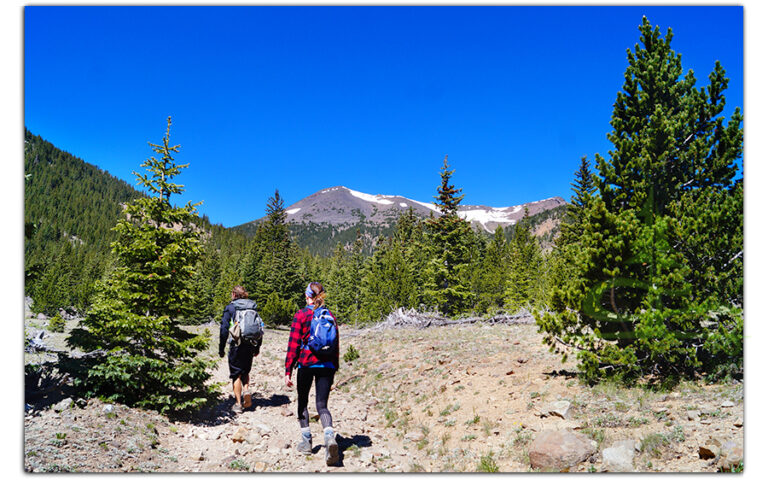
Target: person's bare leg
[{"x": 237, "y": 386}]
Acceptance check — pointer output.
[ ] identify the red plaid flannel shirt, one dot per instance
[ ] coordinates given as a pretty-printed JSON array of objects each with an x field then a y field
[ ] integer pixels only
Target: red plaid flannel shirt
[{"x": 299, "y": 332}]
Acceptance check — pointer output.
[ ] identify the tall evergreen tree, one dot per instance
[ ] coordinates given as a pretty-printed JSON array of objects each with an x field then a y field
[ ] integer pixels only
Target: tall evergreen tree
[
  {"x": 273, "y": 266},
  {"x": 524, "y": 284},
  {"x": 343, "y": 283},
  {"x": 632, "y": 308},
  {"x": 151, "y": 362},
  {"x": 450, "y": 239},
  {"x": 490, "y": 278}
]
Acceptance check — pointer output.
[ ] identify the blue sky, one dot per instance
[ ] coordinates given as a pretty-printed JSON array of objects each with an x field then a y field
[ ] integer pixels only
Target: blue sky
[{"x": 303, "y": 98}]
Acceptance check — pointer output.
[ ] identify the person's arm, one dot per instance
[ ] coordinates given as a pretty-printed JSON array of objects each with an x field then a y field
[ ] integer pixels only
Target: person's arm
[
  {"x": 338, "y": 340},
  {"x": 224, "y": 330},
  {"x": 294, "y": 346},
  {"x": 257, "y": 348}
]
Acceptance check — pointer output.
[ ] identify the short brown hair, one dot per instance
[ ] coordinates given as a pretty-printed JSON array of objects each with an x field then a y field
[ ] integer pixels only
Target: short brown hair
[{"x": 239, "y": 292}]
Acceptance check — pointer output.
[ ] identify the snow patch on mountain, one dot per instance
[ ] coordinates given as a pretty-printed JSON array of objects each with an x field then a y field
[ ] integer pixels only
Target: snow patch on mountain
[
  {"x": 371, "y": 198},
  {"x": 292, "y": 211},
  {"x": 430, "y": 206},
  {"x": 484, "y": 217}
]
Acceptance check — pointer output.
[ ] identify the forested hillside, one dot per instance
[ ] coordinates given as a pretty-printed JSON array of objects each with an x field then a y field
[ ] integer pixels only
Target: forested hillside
[{"x": 70, "y": 208}]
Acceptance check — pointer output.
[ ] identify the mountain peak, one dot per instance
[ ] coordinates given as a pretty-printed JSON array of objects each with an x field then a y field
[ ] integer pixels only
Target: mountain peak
[{"x": 341, "y": 205}]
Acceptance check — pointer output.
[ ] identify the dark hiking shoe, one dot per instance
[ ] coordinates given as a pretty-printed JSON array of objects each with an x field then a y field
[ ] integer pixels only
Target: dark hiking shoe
[
  {"x": 305, "y": 444},
  {"x": 237, "y": 408},
  {"x": 331, "y": 450}
]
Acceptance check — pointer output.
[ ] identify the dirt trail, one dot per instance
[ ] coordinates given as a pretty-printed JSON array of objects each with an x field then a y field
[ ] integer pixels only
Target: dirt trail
[{"x": 453, "y": 398}]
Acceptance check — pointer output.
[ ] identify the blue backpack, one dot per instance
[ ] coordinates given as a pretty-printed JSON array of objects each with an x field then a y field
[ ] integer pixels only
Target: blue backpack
[{"x": 323, "y": 334}]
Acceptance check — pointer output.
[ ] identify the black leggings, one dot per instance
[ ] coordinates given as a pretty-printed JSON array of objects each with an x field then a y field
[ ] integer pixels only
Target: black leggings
[{"x": 323, "y": 380}]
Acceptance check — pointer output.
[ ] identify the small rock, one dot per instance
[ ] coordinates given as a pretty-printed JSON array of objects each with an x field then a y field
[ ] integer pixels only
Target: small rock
[
  {"x": 199, "y": 457},
  {"x": 660, "y": 409},
  {"x": 727, "y": 404},
  {"x": 42, "y": 317},
  {"x": 706, "y": 452},
  {"x": 619, "y": 457},
  {"x": 108, "y": 409},
  {"x": 366, "y": 458},
  {"x": 240, "y": 435},
  {"x": 62, "y": 405},
  {"x": 259, "y": 467},
  {"x": 561, "y": 409},
  {"x": 415, "y": 436},
  {"x": 286, "y": 412},
  {"x": 739, "y": 423},
  {"x": 693, "y": 415},
  {"x": 263, "y": 428},
  {"x": 705, "y": 421}
]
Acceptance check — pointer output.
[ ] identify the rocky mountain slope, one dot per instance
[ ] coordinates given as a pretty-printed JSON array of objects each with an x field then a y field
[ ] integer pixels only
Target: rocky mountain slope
[
  {"x": 343, "y": 206},
  {"x": 462, "y": 397}
]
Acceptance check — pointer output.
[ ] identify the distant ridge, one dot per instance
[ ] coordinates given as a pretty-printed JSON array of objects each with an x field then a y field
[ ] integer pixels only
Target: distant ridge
[{"x": 340, "y": 205}]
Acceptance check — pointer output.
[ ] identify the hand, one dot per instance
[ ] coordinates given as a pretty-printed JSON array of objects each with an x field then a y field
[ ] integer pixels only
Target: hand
[
  {"x": 221, "y": 353},
  {"x": 288, "y": 382}
]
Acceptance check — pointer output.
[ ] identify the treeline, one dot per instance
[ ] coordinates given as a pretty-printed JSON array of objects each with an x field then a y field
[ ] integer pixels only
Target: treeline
[{"x": 438, "y": 263}]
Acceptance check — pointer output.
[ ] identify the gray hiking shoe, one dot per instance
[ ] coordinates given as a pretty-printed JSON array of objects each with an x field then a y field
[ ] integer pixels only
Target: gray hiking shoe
[
  {"x": 237, "y": 408},
  {"x": 331, "y": 450},
  {"x": 305, "y": 444}
]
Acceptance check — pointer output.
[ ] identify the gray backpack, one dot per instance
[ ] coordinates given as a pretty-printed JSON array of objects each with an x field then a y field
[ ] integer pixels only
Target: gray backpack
[{"x": 247, "y": 324}]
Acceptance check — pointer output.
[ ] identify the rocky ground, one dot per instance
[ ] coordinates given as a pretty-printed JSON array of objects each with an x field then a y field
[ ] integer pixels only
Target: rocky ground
[{"x": 465, "y": 397}]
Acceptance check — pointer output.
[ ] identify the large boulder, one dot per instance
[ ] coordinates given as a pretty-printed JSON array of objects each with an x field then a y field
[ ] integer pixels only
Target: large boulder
[
  {"x": 731, "y": 456},
  {"x": 560, "y": 450}
]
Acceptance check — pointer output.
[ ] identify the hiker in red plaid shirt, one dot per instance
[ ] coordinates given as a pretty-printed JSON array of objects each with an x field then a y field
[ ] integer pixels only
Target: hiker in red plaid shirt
[{"x": 311, "y": 368}]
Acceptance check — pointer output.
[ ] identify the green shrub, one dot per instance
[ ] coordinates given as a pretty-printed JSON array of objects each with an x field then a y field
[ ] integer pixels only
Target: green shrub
[
  {"x": 487, "y": 464},
  {"x": 56, "y": 323},
  {"x": 351, "y": 354}
]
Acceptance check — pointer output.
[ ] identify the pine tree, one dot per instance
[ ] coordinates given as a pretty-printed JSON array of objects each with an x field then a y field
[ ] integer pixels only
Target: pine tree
[
  {"x": 343, "y": 283},
  {"x": 583, "y": 189},
  {"x": 491, "y": 276},
  {"x": 561, "y": 261},
  {"x": 647, "y": 295},
  {"x": 525, "y": 262},
  {"x": 450, "y": 240},
  {"x": 151, "y": 362},
  {"x": 273, "y": 266}
]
